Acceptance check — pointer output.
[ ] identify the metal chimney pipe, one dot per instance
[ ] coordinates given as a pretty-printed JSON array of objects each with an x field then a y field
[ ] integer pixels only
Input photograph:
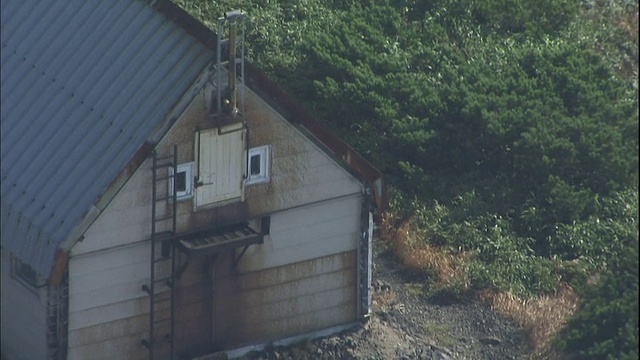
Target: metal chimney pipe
[{"x": 233, "y": 101}]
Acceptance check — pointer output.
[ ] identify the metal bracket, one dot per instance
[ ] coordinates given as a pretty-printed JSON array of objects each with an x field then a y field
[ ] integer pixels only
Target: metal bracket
[
  {"x": 181, "y": 270},
  {"x": 237, "y": 259},
  {"x": 146, "y": 289}
]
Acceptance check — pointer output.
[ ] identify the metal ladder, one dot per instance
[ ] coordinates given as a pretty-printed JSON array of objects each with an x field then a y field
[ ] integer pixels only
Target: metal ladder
[
  {"x": 57, "y": 319},
  {"x": 163, "y": 256}
]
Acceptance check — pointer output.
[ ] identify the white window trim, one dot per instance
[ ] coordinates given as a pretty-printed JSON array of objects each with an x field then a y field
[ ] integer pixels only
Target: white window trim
[
  {"x": 263, "y": 176},
  {"x": 188, "y": 169}
]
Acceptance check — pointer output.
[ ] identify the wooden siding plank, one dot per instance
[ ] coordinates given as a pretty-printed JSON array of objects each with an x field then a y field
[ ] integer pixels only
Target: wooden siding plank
[
  {"x": 282, "y": 274},
  {"x": 91, "y": 281},
  {"x": 296, "y": 324},
  {"x": 107, "y": 295},
  {"x": 321, "y": 306},
  {"x": 305, "y": 233},
  {"x": 302, "y": 252},
  {"x": 319, "y": 212},
  {"x": 285, "y": 300},
  {"x": 296, "y": 304},
  {"x": 123, "y": 235},
  {"x": 135, "y": 326},
  {"x": 326, "y": 232},
  {"x": 125, "y": 347},
  {"x": 109, "y": 259},
  {"x": 290, "y": 290},
  {"x": 107, "y": 313},
  {"x": 114, "y": 220}
]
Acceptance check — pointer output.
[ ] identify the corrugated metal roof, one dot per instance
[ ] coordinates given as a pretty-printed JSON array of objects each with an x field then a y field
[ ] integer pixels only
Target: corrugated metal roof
[{"x": 84, "y": 83}]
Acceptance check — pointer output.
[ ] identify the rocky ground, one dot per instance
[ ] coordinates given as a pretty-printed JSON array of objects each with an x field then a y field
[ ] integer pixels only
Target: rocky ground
[{"x": 406, "y": 324}]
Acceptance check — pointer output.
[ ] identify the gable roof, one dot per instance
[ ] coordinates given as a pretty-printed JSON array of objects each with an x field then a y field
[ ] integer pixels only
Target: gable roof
[{"x": 84, "y": 85}]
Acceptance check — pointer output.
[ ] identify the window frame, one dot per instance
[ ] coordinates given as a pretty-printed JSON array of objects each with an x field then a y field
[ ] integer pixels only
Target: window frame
[
  {"x": 32, "y": 281},
  {"x": 264, "y": 175},
  {"x": 187, "y": 168}
]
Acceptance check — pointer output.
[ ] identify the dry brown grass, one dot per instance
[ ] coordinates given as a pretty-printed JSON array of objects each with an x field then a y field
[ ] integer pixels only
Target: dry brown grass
[
  {"x": 418, "y": 255},
  {"x": 628, "y": 22},
  {"x": 541, "y": 317},
  {"x": 384, "y": 300}
]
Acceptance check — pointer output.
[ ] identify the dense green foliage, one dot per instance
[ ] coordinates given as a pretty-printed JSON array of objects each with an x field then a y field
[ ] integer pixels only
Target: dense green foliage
[
  {"x": 607, "y": 326},
  {"x": 509, "y": 129}
]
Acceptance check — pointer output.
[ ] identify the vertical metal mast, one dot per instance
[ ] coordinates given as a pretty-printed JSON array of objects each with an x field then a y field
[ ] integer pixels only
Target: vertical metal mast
[{"x": 227, "y": 99}]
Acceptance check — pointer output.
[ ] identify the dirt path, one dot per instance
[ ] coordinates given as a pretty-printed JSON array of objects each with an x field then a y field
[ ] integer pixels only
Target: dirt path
[{"x": 405, "y": 324}]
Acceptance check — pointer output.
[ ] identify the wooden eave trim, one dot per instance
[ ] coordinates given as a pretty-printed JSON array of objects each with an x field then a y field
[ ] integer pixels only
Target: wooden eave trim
[
  {"x": 187, "y": 22},
  {"x": 60, "y": 263}
]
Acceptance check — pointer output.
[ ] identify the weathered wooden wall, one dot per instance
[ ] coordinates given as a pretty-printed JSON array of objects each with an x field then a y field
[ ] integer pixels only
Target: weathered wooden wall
[
  {"x": 283, "y": 301},
  {"x": 315, "y": 208}
]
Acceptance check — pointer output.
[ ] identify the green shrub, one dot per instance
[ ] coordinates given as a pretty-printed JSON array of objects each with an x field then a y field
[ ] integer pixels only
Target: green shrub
[{"x": 606, "y": 325}]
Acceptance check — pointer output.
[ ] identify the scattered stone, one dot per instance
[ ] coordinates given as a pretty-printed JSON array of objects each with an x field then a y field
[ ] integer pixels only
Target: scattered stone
[
  {"x": 399, "y": 307},
  {"x": 490, "y": 340},
  {"x": 439, "y": 355},
  {"x": 381, "y": 285}
]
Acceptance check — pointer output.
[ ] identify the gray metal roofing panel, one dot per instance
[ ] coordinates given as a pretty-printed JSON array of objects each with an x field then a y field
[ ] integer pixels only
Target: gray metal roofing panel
[{"x": 83, "y": 86}]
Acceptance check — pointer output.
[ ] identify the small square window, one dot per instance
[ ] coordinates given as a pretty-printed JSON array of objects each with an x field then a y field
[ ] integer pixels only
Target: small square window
[
  {"x": 183, "y": 181},
  {"x": 254, "y": 166},
  {"x": 25, "y": 274},
  {"x": 258, "y": 165}
]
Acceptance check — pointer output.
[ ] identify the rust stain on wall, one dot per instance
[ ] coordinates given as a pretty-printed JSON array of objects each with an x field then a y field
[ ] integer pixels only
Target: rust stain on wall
[{"x": 239, "y": 312}]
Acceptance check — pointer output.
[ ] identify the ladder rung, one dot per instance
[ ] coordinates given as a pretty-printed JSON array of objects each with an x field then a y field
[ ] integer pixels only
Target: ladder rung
[
  {"x": 163, "y": 235},
  {"x": 160, "y": 301},
  {"x": 160, "y": 260},
  {"x": 157, "y": 302},
  {"x": 155, "y": 322},
  {"x": 162, "y": 178},
  {"x": 168, "y": 281},
  {"x": 146, "y": 289},
  {"x": 162, "y": 279},
  {"x": 158, "y": 158},
  {"x": 163, "y": 218},
  {"x": 238, "y": 61},
  {"x": 162, "y": 166}
]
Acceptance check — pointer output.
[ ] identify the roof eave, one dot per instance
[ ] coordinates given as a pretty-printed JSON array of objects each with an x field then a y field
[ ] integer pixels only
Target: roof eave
[{"x": 136, "y": 161}]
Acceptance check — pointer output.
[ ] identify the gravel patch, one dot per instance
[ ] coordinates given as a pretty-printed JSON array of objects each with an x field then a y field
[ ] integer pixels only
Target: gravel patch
[{"x": 405, "y": 324}]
